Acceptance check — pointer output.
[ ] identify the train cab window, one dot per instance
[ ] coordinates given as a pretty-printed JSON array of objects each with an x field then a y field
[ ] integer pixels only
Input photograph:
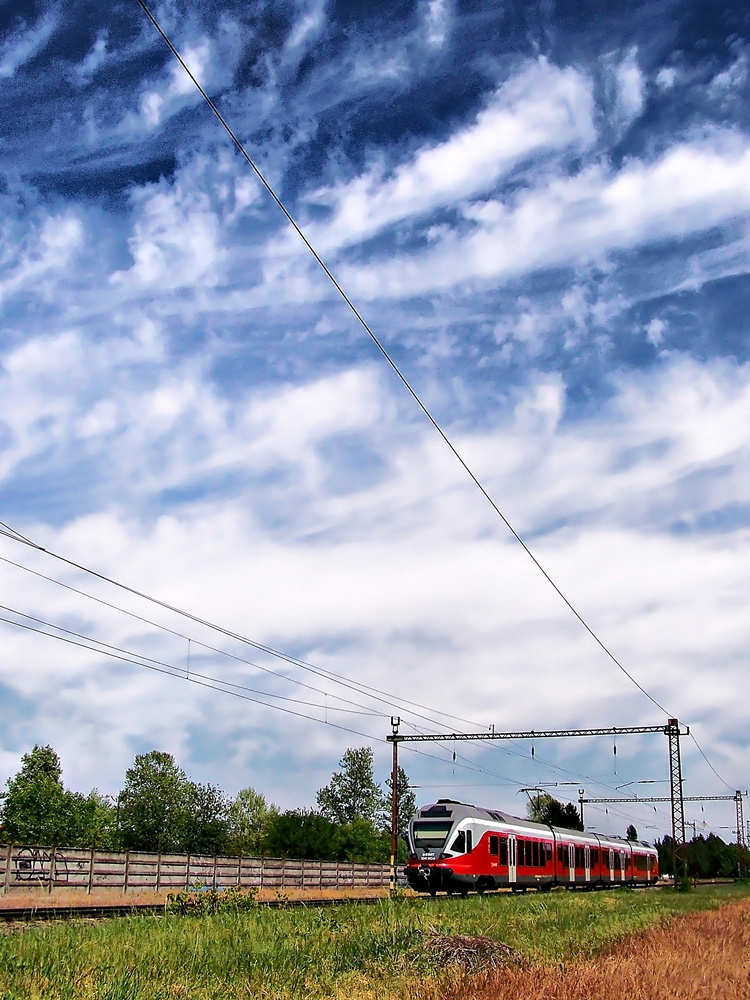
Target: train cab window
[
  {"x": 503, "y": 851},
  {"x": 494, "y": 845},
  {"x": 459, "y": 843}
]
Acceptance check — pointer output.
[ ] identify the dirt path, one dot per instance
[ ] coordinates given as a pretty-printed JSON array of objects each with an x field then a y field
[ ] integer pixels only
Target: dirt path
[
  {"x": 701, "y": 956},
  {"x": 65, "y": 899}
]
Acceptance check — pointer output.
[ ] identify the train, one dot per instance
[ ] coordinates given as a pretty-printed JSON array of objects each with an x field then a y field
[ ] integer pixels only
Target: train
[{"x": 459, "y": 848}]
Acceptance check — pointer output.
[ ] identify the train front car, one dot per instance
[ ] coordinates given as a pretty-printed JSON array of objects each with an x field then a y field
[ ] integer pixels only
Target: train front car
[{"x": 438, "y": 848}]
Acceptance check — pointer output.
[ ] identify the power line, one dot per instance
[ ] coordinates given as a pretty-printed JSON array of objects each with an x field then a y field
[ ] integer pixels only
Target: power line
[
  {"x": 397, "y": 371},
  {"x": 709, "y": 762}
]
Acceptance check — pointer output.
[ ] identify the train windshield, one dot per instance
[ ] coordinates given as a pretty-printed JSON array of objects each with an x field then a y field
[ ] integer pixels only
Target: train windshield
[{"x": 430, "y": 834}]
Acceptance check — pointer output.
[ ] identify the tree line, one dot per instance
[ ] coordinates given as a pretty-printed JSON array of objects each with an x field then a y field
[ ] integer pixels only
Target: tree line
[{"x": 159, "y": 809}]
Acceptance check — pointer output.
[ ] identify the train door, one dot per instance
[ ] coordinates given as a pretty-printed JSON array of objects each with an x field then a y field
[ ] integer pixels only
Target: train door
[
  {"x": 648, "y": 867},
  {"x": 511, "y": 859},
  {"x": 611, "y": 865},
  {"x": 572, "y": 861},
  {"x": 623, "y": 866},
  {"x": 587, "y": 862}
]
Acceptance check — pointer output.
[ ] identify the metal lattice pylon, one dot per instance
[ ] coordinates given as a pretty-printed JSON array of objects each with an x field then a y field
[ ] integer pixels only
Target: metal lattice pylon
[
  {"x": 741, "y": 844},
  {"x": 675, "y": 788}
]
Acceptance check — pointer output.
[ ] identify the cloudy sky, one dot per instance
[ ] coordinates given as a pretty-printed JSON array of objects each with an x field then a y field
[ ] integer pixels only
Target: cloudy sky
[{"x": 542, "y": 210}]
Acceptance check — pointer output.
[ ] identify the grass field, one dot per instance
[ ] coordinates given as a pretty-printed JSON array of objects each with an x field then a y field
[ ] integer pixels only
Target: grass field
[{"x": 348, "y": 952}]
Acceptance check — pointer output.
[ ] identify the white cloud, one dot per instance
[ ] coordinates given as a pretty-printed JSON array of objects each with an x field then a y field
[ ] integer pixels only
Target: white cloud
[
  {"x": 630, "y": 89},
  {"x": 49, "y": 249},
  {"x": 96, "y": 58},
  {"x": 543, "y": 107},
  {"x": 437, "y": 17},
  {"x": 25, "y": 43},
  {"x": 578, "y": 219},
  {"x": 176, "y": 239}
]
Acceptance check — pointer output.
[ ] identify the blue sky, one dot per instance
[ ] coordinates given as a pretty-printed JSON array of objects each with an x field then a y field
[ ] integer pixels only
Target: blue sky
[{"x": 542, "y": 210}]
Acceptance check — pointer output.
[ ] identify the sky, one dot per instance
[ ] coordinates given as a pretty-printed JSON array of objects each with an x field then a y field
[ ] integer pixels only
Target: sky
[{"x": 543, "y": 212}]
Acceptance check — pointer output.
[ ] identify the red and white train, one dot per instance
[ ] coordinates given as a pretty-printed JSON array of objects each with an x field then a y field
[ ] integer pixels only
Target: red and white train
[{"x": 456, "y": 848}]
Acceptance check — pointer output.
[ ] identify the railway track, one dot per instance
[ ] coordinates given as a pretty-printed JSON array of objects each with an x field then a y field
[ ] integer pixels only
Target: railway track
[{"x": 102, "y": 910}]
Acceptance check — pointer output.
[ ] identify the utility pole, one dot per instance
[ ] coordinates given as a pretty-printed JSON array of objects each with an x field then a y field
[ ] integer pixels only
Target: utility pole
[
  {"x": 395, "y": 723},
  {"x": 581, "y": 793}
]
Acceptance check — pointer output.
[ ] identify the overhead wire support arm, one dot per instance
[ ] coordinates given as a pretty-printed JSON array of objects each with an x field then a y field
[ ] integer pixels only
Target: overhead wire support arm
[
  {"x": 671, "y": 729},
  {"x": 532, "y": 734},
  {"x": 663, "y": 798}
]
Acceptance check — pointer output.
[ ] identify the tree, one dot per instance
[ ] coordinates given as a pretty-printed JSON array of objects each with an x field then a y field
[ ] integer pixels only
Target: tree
[
  {"x": 36, "y": 808},
  {"x": 302, "y": 833},
  {"x": 352, "y": 791},
  {"x": 546, "y": 809},
  {"x": 631, "y": 833},
  {"x": 362, "y": 842},
  {"x": 153, "y": 814},
  {"x": 204, "y": 828},
  {"x": 248, "y": 821}
]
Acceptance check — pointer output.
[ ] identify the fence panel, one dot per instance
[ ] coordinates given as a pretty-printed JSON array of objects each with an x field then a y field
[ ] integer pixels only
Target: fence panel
[{"x": 53, "y": 868}]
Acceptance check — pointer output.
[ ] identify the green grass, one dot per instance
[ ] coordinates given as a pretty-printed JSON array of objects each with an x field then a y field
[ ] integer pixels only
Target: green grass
[{"x": 347, "y": 951}]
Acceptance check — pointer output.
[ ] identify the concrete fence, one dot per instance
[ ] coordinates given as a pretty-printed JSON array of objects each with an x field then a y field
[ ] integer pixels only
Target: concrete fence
[{"x": 51, "y": 868}]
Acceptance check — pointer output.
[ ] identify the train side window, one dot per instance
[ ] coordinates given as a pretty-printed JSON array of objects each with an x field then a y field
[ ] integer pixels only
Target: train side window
[
  {"x": 535, "y": 854},
  {"x": 594, "y": 856},
  {"x": 459, "y": 844},
  {"x": 529, "y": 854},
  {"x": 503, "y": 851},
  {"x": 542, "y": 855},
  {"x": 579, "y": 857},
  {"x": 560, "y": 855},
  {"x": 469, "y": 845},
  {"x": 494, "y": 845},
  {"x": 519, "y": 852},
  {"x": 549, "y": 854}
]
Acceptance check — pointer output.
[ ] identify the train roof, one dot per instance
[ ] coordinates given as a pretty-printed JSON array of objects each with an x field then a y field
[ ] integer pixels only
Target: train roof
[{"x": 455, "y": 811}]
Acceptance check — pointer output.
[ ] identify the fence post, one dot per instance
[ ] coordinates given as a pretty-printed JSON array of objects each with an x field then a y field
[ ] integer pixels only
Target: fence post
[
  {"x": 91, "y": 872},
  {"x": 320, "y": 875},
  {"x": 52, "y": 869},
  {"x": 239, "y": 872},
  {"x": 262, "y": 871},
  {"x": 158, "y": 870},
  {"x": 338, "y": 872},
  {"x": 187, "y": 873},
  {"x": 283, "y": 873},
  {"x": 302, "y": 872},
  {"x": 127, "y": 871},
  {"x": 216, "y": 861},
  {"x": 8, "y": 862}
]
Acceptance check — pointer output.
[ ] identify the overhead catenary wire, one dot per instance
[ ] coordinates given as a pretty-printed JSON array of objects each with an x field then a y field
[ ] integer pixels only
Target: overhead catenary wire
[
  {"x": 382, "y": 696},
  {"x": 395, "y": 368},
  {"x": 385, "y": 697}
]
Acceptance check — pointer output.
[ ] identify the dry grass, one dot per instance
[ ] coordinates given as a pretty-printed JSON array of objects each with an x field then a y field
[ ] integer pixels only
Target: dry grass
[{"x": 699, "y": 956}]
